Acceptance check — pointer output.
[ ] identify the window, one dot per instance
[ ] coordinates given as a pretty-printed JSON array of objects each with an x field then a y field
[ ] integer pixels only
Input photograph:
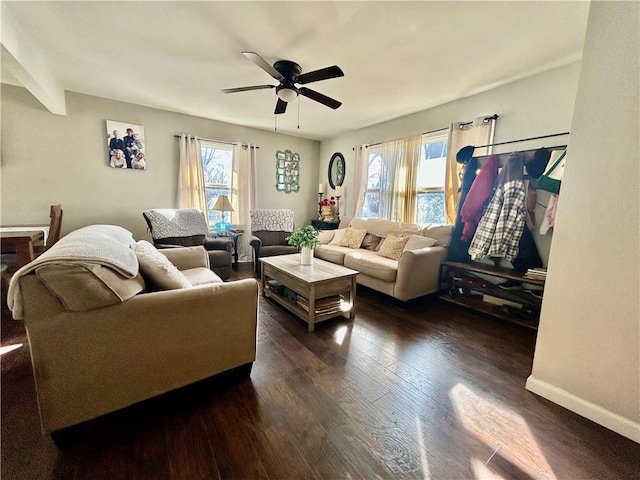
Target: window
[
  {"x": 370, "y": 208},
  {"x": 217, "y": 162},
  {"x": 430, "y": 183}
]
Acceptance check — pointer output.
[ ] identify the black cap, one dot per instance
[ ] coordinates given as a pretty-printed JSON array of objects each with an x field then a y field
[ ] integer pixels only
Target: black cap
[
  {"x": 465, "y": 154},
  {"x": 537, "y": 164}
]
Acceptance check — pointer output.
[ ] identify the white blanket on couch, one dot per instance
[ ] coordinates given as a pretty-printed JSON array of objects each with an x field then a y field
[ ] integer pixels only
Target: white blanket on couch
[{"x": 106, "y": 245}]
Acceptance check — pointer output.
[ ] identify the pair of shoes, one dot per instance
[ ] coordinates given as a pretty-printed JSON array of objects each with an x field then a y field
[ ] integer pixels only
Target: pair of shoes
[
  {"x": 535, "y": 293},
  {"x": 511, "y": 285}
]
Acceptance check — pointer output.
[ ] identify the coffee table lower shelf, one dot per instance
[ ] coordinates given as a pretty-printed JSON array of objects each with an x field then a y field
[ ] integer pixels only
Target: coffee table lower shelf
[{"x": 301, "y": 312}]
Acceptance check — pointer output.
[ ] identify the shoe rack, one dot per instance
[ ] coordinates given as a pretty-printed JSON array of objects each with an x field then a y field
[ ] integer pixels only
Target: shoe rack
[{"x": 495, "y": 291}]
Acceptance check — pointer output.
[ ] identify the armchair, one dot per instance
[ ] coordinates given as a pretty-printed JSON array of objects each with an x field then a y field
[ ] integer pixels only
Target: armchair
[
  {"x": 187, "y": 227},
  {"x": 269, "y": 230}
]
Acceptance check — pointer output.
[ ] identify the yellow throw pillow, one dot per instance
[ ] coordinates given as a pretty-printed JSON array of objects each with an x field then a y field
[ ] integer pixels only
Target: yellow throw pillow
[
  {"x": 352, "y": 238},
  {"x": 392, "y": 247}
]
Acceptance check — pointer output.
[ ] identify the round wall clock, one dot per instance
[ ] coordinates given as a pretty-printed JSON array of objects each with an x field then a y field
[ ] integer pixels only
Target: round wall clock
[{"x": 336, "y": 170}]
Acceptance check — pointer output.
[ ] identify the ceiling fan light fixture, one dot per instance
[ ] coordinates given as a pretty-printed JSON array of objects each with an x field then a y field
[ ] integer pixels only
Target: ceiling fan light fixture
[{"x": 286, "y": 94}]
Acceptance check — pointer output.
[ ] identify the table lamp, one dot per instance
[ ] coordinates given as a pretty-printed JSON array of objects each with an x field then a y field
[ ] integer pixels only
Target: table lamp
[{"x": 223, "y": 205}]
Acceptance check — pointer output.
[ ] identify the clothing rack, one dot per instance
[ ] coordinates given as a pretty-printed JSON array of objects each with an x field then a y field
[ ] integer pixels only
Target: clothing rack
[
  {"x": 503, "y": 157},
  {"x": 524, "y": 140},
  {"x": 495, "y": 116},
  {"x": 528, "y": 154},
  {"x": 219, "y": 141}
]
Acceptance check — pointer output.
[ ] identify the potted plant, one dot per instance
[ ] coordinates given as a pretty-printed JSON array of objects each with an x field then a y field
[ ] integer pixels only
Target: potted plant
[{"x": 306, "y": 239}]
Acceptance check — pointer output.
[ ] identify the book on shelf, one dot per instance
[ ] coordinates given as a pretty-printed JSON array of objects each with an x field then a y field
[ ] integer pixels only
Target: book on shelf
[
  {"x": 323, "y": 305},
  {"x": 276, "y": 286},
  {"x": 322, "y": 302},
  {"x": 500, "y": 301},
  {"x": 540, "y": 273}
]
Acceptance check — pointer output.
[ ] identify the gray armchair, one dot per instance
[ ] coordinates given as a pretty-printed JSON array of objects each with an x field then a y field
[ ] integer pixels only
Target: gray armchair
[
  {"x": 187, "y": 227},
  {"x": 269, "y": 230}
]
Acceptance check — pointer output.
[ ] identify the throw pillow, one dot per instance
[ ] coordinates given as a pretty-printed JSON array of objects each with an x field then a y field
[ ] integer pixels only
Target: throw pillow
[
  {"x": 419, "y": 241},
  {"x": 352, "y": 238},
  {"x": 370, "y": 242},
  {"x": 157, "y": 268},
  {"x": 392, "y": 247},
  {"x": 325, "y": 236},
  {"x": 337, "y": 236}
]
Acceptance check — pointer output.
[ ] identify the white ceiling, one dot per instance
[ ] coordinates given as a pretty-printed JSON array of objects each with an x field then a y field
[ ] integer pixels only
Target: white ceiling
[{"x": 398, "y": 57}]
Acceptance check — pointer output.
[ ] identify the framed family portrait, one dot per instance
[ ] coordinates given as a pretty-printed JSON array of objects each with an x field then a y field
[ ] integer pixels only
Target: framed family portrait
[{"x": 126, "y": 145}]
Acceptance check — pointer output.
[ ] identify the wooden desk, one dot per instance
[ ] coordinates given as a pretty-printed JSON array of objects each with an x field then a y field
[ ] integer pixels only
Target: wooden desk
[{"x": 21, "y": 242}]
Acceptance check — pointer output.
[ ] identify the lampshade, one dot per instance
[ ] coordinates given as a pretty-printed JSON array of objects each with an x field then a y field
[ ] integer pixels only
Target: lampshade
[
  {"x": 286, "y": 94},
  {"x": 223, "y": 204}
]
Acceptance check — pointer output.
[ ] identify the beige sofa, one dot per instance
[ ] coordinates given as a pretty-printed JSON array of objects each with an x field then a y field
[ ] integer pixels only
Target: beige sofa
[
  {"x": 413, "y": 274},
  {"x": 101, "y": 339}
]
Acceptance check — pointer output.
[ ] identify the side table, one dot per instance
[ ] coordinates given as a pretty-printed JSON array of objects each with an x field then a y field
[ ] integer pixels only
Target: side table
[
  {"x": 325, "y": 225},
  {"x": 233, "y": 234}
]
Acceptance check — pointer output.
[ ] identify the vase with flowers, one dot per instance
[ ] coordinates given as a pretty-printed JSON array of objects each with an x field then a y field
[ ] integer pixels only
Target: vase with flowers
[
  {"x": 326, "y": 209},
  {"x": 306, "y": 239}
]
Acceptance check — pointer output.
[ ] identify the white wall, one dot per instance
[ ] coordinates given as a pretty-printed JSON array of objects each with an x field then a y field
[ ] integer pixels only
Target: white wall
[
  {"x": 48, "y": 159},
  {"x": 537, "y": 105},
  {"x": 587, "y": 355}
]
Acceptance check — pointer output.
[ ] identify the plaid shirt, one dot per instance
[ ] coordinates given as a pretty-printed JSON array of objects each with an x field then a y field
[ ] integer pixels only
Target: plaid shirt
[{"x": 499, "y": 231}]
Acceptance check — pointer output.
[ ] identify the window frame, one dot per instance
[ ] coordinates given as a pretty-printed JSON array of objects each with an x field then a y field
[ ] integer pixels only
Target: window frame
[
  {"x": 372, "y": 152},
  {"x": 206, "y": 144},
  {"x": 427, "y": 139}
]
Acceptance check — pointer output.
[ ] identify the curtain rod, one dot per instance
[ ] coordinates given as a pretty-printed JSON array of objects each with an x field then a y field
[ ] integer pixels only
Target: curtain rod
[
  {"x": 495, "y": 116},
  {"x": 527, "y": 152},
  {"x": 219, "y": 141},
  {"x": 524, "y": 139}
]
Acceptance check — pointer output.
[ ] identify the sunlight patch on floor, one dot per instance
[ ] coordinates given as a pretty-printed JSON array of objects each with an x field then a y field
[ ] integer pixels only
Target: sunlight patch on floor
[
  {"x": 339, "y": 335},
  {"x": 9, "y": 348},
  {"x": 482, "y": 471},
  {"x": 424, "y": 462},
  {"x": 497, "y": 425}
]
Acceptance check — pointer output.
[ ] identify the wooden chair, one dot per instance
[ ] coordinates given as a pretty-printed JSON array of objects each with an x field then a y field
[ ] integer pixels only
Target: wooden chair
[{"x": 55, "y": 226}]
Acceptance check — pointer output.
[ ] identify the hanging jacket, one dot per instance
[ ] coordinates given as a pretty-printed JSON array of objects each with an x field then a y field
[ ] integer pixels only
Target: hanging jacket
[
  {"x": 480, "y": 192},
  {"x": 458, "y": 250},
  {"x": 528, "y": 256},
  {"x": 499, "y": 231}
]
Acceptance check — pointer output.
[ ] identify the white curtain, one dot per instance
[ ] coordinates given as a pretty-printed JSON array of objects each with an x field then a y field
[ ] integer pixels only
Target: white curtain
[
  {"x": 361, "y": 172},
  {"x": 191, "y": 188},
  {"x": 398, "y": 179},
  {"x": 244, "y": 194},
  {"x": 478, "y": 132}
]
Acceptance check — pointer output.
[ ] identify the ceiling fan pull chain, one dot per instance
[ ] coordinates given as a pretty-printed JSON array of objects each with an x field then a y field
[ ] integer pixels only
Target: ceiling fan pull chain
[
  {"x": 275, "y": 123},
  {"x": 298, "y": 112}
]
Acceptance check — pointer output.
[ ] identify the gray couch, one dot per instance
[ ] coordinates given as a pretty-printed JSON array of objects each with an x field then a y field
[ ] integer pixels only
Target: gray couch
[{"x": 413, "y": 275}]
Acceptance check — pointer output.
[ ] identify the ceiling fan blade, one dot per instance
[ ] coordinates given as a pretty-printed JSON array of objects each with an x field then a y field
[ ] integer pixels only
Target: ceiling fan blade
[
  {"x": 322, "y": 74},
  {"x": 262, "y": 63},
  {"x": 281, "y": 107},
  {"x": 318, "y": 97},
  {"x": 246, "y": 89}
]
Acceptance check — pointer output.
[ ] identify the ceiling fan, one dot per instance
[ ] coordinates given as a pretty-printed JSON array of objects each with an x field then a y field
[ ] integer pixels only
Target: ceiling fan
[{"x": 288, "y": 74}]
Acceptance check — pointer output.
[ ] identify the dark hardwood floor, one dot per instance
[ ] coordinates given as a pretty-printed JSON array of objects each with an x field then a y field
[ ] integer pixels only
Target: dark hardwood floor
[{"x": 423, "y": 390}]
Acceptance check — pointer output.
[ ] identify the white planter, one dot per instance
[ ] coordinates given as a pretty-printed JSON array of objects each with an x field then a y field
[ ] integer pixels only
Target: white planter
[{"x": 307, "y": 256}]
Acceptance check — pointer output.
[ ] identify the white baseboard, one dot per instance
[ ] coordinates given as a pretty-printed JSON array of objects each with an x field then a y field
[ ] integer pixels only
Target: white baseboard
[{"x": 606, "y": 418}]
